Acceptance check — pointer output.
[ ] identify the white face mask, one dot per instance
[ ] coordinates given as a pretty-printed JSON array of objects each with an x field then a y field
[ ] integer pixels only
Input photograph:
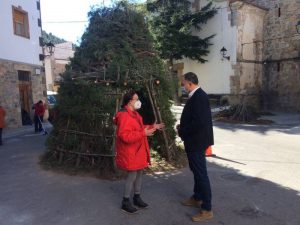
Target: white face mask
[{"x": 137, "y": 105}]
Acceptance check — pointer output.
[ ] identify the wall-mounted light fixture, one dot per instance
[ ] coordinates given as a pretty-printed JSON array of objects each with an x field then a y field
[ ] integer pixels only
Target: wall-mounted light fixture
[
  {"x": 224, "y": 55},
  {"x": 298, "y": 27},
  {"x": 49, "y": 49}
]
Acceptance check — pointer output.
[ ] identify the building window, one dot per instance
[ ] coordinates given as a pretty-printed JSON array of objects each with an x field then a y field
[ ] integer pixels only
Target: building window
[
  {"x": 23, "y": 75},
  {"x": 20, "y": 20},
  {"x": 38, "y": 5},
  {"x": 39, "y": 23},
  {"x": 41, "y": 41}
]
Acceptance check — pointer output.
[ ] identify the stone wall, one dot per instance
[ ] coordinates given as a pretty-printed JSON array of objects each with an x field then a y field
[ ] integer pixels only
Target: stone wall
[
  {"x": 246, "y": 83},
  {"x": 281, "y": 80},
  {"x": 263, "y": 3},
  {"x": 267, "y": 70},
  {"x": 9, "y": 89}
]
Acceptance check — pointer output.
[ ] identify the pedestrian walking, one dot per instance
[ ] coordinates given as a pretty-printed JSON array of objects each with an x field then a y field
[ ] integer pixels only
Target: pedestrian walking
[
  {"x": 39, "y": 110},
  {"x": 2, "y": 122},
  {"x": 196, "y": 131},
  {"x": 133, "y": 153}
]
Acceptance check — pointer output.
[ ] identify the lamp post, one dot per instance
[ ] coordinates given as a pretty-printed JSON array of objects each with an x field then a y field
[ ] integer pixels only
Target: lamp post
[
  {"x": 50, "y": 48},
  {"x": 224, "y": 55},
  {"x": 47, "y": 48},
  {"x": 298, "y": 27}
]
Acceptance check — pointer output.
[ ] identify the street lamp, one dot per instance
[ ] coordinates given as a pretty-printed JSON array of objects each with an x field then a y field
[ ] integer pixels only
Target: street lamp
[
  {"x": 298, "y": 27},
  {"x": 48, "y": 48},
  {"x": 223, "y": 52}
]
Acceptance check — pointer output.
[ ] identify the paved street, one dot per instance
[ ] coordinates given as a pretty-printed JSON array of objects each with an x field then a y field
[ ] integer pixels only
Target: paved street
[{"x": 255, "y": 181}]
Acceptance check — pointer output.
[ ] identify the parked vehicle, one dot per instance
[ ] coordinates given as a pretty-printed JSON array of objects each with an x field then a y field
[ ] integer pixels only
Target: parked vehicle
[
  {"x": 51, "y": 97},
  {"x": 51, "y": 101}
]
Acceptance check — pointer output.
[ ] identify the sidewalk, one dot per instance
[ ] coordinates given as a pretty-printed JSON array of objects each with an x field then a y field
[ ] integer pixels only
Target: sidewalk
[{"x": 12, "y": 132}]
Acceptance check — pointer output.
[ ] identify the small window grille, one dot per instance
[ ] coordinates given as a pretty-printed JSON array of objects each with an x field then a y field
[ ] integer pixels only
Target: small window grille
[{"x": 23, "y": 75}]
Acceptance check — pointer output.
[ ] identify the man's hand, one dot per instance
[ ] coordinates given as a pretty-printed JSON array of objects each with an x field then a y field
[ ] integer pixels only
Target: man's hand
[{"x": 149, "y": 132}]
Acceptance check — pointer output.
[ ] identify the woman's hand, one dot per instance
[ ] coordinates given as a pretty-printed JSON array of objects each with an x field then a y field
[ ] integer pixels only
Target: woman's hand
[
  {"x": 149, "y": 132},
  {"x": 159, "y": 126}
]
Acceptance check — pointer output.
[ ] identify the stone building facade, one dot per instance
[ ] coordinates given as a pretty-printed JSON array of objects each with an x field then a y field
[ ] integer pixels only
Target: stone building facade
[
  {"x": 262, "y": 65},
  {"x": 55, "y": 65},
  {"x": 21, "y": 86},
  {"x": 246, "y": 83},
  {"x": 281, "y": 79},
  {"x": 22, "y": 77},
  {"x": 272, "y": 64}
]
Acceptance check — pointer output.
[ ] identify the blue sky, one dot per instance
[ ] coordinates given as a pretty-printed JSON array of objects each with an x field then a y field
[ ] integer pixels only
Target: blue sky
[{"x": 65, "y": 18}]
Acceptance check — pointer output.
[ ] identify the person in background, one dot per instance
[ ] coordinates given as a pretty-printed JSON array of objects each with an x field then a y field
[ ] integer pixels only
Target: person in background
[
  {"x": 196, "y": 131},
  {"x": 39, "y": 110},
  {"x": 133, "y": 153},
  {"x": 2, "y": 122}
]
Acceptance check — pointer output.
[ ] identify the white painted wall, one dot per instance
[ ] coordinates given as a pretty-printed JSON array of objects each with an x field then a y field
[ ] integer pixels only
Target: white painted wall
[
  {"x": 17, "y": 48},
  {"x": 214, "y": 76}
]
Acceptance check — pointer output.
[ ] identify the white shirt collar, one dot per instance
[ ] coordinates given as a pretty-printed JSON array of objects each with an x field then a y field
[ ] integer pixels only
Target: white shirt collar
[{"x": 193, "y": 91}]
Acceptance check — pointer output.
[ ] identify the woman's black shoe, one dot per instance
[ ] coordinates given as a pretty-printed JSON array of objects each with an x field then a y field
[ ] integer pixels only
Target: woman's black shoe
[
  {"x": 139, "y": 202},
  {"x": 127, "y": 207}
]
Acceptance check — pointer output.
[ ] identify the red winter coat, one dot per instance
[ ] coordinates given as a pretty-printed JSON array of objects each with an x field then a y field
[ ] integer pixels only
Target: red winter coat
[
  {"x": 2, "y": 115},
  {"x": 131, "y": 143},
  {"x": 39, "y": 110}
]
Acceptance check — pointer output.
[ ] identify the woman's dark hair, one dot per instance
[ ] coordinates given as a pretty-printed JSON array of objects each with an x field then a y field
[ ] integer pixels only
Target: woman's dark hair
[
  {"x": 127, "y": 97},
  {"x": 191, "y": 77}
]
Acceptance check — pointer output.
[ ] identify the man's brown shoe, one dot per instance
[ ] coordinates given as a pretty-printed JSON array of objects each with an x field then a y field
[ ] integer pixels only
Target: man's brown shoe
[
  {"x": 203, "y": 215},
  {"x": 191, "y": 202}
]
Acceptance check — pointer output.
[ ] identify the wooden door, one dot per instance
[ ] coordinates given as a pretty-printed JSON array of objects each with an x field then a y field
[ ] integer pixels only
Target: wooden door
[
  {"x": 24, "y": 88},
  {"x": 25, "y": 96}
]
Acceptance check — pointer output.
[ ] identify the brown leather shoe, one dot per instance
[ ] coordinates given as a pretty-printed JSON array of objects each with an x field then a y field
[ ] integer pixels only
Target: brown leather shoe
[
  {"x": 203, "y": 215},
  {"x": 191, "y": 202}
]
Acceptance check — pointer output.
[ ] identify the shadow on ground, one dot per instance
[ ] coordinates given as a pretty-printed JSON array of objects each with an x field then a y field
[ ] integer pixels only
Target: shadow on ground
[{"x": 237, "y": 199}]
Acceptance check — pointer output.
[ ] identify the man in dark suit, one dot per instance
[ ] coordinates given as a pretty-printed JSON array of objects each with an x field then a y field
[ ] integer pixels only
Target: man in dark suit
[{"x": 196, "y": 131}]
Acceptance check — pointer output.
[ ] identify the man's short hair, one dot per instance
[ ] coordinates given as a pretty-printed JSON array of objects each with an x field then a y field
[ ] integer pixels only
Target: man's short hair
[{"x": 191, "y": 77}]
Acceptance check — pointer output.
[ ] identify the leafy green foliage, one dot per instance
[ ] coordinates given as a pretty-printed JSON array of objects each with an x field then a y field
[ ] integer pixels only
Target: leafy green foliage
[
  {"x": 172, "y": 24},
  {"x": 116, "y": 49},
  {"x": 51, "y": 38}
]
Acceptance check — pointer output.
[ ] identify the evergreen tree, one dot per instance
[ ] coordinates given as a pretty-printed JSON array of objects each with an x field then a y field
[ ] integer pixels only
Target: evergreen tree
[
  {"x": 115, "y": 55},
  {"x": 51, "y": 38},
  {"x": 173, "y": 25}
]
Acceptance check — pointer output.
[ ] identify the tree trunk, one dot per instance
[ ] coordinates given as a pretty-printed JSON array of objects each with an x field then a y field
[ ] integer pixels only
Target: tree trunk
[{"x": 174, "y": 83}]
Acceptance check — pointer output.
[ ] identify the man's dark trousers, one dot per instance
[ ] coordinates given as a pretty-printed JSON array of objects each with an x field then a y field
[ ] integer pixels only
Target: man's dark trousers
[
  {"x": 38, "y": 123},
  {"x": 202, "y": 190},
  {"x": 0, "y": 136}
]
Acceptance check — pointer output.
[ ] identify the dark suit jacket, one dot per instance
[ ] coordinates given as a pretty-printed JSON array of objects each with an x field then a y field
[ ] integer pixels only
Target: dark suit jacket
[{"x": 196, "y": 123}]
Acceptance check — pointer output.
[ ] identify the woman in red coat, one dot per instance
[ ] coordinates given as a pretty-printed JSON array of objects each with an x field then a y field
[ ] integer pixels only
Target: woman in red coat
[{"x": 133, "y": 153}]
